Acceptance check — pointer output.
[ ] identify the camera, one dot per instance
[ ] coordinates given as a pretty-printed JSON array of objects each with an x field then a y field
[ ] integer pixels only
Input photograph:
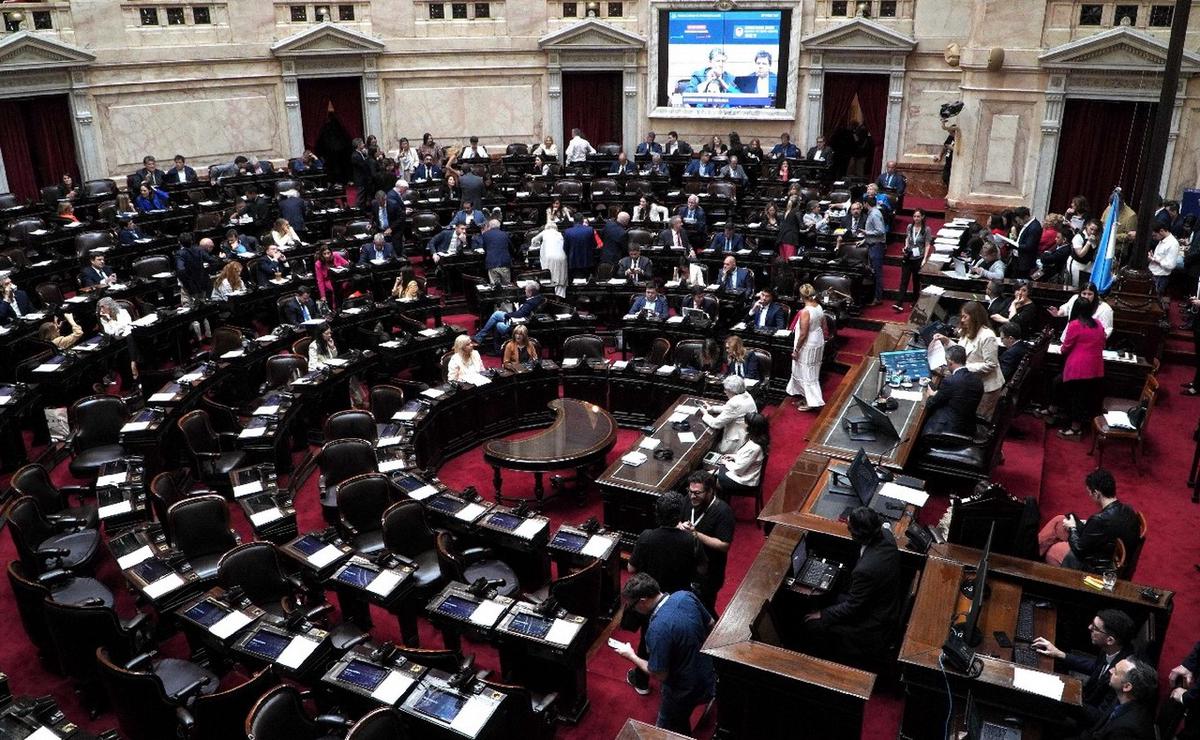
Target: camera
[{"x": 950, "y": 110}]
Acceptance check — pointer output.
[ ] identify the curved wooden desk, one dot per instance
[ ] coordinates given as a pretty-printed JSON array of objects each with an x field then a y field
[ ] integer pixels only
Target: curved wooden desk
[{"x": 580, "y": 437}]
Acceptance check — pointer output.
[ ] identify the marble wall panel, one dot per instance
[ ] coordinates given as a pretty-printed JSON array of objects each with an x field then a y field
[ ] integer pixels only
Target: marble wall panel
[
  {"x": 1006, "y": 132},
  {"x": 922, "y": 136},
  {"x": 493, "y": 113}
]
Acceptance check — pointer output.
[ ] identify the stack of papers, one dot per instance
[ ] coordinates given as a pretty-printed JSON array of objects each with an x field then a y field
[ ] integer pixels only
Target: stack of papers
[
  {"x": 1037, "y": 682},
  {"x": 913, "y": 496},
  {"x": 1119, "y": 420},
  {"x": 933, "y": 289},
  {"x": 633, "y": 459}
]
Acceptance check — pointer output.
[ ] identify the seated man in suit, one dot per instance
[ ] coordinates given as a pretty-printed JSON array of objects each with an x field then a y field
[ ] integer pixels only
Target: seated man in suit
[
  {"x": 785, "y": 149},
  {"x": 449, "y": 242},
  {"x": 673, "y": 237},
  {"x": 763, "y": 81},
  {"x": 857, "y": 626},
  {"x": 702, "y": 167},
  {"x": 377, "y": 251},
  {"x": 96, "y": 276},
  {"x": 650, "y": 302},
  {"x": 129, "y": 232},
  {"x": 1111, "y": 633},
  {"x": 427, "y": 170},
  {"x": 149, "y": 175},
  {"x": 273, "y": 267},
  {"x": 306, "y": 162},
  {"x": 180, "y": 173},
  {"x": 702, "y": 301},
  {"x": 891, "y": 180},
  {"x": 730, "y": 417},
  {"x": 675, "y": 146},
  {"x": 1131, "y": 716},
  {"x": 656, "y": 167},
  {"x": 692, "y": 214},
  {"x": 1013, "y": 350},
  {"x": 635, "y": 267},
  {"x": 622, "y": 166},
  {"x": 766, "y": 313},
  {"x": 952, "y": 407},
  {"x": 501, "y": 322},
  {"x": 733, "y": 170},
  {"x": 238, "y": 245},
  {"x": 728, "y": 240},
  {"x": 14, "y": 302},
  {"x": 468, "y": 215},
  {"x": 301, "y": 307},
  {"x": 820, "y": 152},
  {"x": 649, "y": 146},
  {"x": 735, "y": 280}
]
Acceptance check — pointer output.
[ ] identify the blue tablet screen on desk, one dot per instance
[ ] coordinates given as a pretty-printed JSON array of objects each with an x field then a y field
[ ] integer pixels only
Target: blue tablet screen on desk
[
  {"x": 444, "y": 504},
  {"x": 569, "y": 541},
  {"x": 532, "y": 625},
  {"x": 205, "y": 613},
  {"x": 309, "y": 545},
  {"x": 356, "y": 575},
  {"x": 440, "y": 704},
  {"x": 267, "y": 644},
  {"x": 508, "y": 522},
  {"x": 362, "y": 674},
  {"x": 457, "y": 606}
]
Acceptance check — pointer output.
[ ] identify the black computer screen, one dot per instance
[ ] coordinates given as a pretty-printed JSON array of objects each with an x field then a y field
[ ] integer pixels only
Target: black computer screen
[
  {"x": 409, "y": 483},
  {"x": 881, "y": 422},
  {"x": 440, "y": 704},
  {"x": 569, "y": 541},
  {"x": 978, "y": 591},
  {"x": 362, "y": 674},
  {"x": 356, "y": 575},
  {"x": 532, "y": 625},
  {"x": 457, "y": 606},
  {"x": 309, "y": 545},
  {"x": 205, "y": 613},
  {"x": 445, "y": 504},
  {"x": 151, "y": 569},
  {"x": 862, "y": 477},
  {"x": 267, "y": 644},
  {"x": 508, "y": 522}
]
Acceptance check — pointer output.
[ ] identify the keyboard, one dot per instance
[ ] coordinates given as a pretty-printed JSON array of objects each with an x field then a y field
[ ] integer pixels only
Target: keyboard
[
  {"x": 1024, "y": 631},
  {"x": 1026, "y": 656},
  {"x": 817, "y": 574}
]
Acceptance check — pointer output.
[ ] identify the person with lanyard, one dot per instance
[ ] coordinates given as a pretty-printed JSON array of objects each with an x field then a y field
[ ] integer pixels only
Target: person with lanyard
[
  {"x": 875, "y": 239},
  {"x": 918, "y": 246},
  {"x": 710, "y": 519}
]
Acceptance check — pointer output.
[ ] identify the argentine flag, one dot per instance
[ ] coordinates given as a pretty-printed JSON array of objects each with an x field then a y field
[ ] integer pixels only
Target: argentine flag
[{"x": 1102, "y": 270}]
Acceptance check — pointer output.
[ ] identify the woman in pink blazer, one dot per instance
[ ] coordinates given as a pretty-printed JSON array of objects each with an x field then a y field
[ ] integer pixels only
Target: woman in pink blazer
[
  {"x": 326, "y": 260},
  {"x": 1083, "y": 369}
]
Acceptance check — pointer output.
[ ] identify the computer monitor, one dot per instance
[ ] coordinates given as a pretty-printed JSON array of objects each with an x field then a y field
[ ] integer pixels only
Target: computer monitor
[
  {"x": 978, "y": 589},
  {"x": 863, "y": 480},
  {"x": 878, "y": 420},
  {"x": 911, "y": 363},
  {"x": 799, "y": 556}
]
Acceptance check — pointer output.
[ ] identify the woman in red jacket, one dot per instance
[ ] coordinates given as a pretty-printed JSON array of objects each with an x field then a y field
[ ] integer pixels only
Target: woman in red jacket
[
  {"x": 1083, "y": 368},
  {"x": 325, "y": 261}
]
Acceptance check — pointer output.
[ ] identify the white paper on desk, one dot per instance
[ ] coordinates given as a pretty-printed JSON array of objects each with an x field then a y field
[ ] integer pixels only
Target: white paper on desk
[
  {"x": 1054, "y": 349},
  {"x": 633, "y": 459},
  {"x": 395, "y": 463},
  {"x": 1048, "y": 685},
  {"x": 629, "y": 317},
  {"x": 783, "y": 332},
  {"x": 230, "y": 623},
  {"x": 404, "y": 416},
  {"x": 686, "y": 410},
  {"x": 146, "y": 320},
  {"x": 562, "y": 632},
  {"x": 324, "y": 556},
  {"x": 125, "y": 562},
  {"x": 112, "y": 479},
  {"x": 687, "y": 437},
  {"x": 935, "y": 354},
  {"x": 914, "y": 496},
  {"x": 392, "y": 688},
  {"x": 433, "y": 392},
  {"x": 478, "y": 379},
  {"x": 620, "y": 364},
  {"x": 392, "y": 344},
  {"x": 78, "y": 299},
  {"x": 596, "y": 546},
  {"x": 530, "y": 527},
  {"x": 649, "y": 443},
  {"x": 297, "y": 652},
  {"x": 487, "y": 613},
  {"x": 5, "y": 399},
  {"x": 665, "y": 369},
  {"x": 672, "y": 284},
  {"x": 675, "y": 320},
  {"x": 266, "y": 410},
  {"x": 48, "y": 367},
  {"x": 164, "y": 585},
  {"x": 563, "y": 316},
  {"x": 266, "y": 339},
  {"x": 616, "y": 281},
  {"x": 266, "y": 516},
  {"x": 337, "y": 361},
  {"x": 252, "y": 432},
  {"x": 472, "y": 717},
  {"x": 121, "y": 507},
  {"x": 738, "y": 326},
  {"x": 430, "y": 332},
  {"x": 749, "y": 382},
  {"x": 246, "y": 489},
  {"x": 914, "y": 396},
  {"x": 1119, "y": 420},
  {"x": 232, "y": 354},
  {"x": 161, "y": 397},
  {"x": 44, "y": 733},
  {"x": 933, "y": 289},
  {"x": 579, "y": 281},
  {"x": 389, "y": 441},
  {"x": 423, "y": 493},
  {"x": 384, "y": 583},
  {"x": 470, "y": 512},
  {"x": 136, "y": 426}
]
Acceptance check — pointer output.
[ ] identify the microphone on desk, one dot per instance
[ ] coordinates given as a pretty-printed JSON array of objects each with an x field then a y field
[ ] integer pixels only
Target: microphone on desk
[
  {"x": 591, "y": 526},
  {"x": 481, "y": 586},
  {"x": 462, "y": 679},
  {"x": 881, "y": 472}
]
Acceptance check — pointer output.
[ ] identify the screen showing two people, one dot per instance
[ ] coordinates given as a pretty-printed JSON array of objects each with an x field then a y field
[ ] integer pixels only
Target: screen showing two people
[{"x": 724, "y": 59}]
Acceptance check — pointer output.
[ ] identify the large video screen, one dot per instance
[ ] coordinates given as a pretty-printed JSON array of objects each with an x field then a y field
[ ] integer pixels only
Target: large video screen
[{"x": 723, "y": 59}]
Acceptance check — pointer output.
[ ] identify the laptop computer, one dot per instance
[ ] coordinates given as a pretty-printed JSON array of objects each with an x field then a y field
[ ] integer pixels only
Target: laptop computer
[
  {"x": 864, "y": 484},
  {"x": 695, "y": 315},
  {"x": 980, "y": 729},
  {"x": 813, "y": 573}
]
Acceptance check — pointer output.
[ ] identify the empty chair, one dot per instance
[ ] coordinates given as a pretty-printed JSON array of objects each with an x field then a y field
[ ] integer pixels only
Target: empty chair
[
  {"x": 339, "y": 460},
  {"x": 98, "y": 189},
  {"x": 586, "y": 346},
  {"x": 31, "y": 593},
  {"x": 351, "y": 423},
  {"x": 660, "y": 349},
  {"x": 226, "y": 339},
  {"x": 385, "y": 401},
  {"x": 148, "y": 267},
  {"x": 50, "y": 294},
  {"x": 354, "y": 228},
  {"x": 301, "y": 345},
  {"x": 8, "y": 200},
  {"x": 150, "y": 697},
  {"x": 568, "y": 190},
  {"x": 467, "y": 566},
  {"x": 361, "y": 502},
  {"x": 764, "y": 365},
  {"x": 282, "y": 369},
  {"x": 221, "y": 715},
  {"x": 168, "y": 488},
  {"x": 199, "y": 528},
  {"x": 34, "y": 480},
  {"x": 43, "y": 545},
  {"x": 96, "y": 423},
  {"x": 640, "y": 238},
  {"x": 86, "y": 242},
  {"x": 406, "y": 533},
  {"x": 282, "y": 186},
  {"x": 426, "y": 224},
  {"x": 580, "y": 592},
  {"x": 528, "y": 715},
  {"x": 280, "y": 715},
  {"x": 254, "y": 568},
  {"x": 211, "y": 464},
  {"x": 688, "y": 353}
]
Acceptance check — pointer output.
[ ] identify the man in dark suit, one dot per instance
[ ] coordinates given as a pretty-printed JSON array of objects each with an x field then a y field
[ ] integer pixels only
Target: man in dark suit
[
  {"x": 377, "y": 249},
  {"x": 473, "y": 186},
  {"x": 673, "y": 237},
  {"x": 614, "y": 239},
  {"x": 579, "y": 242},
  {"x": 427, "y": 170},
  {"x": 149, "y": 175},
  {"x": 763, "y": 81},
  {"x": 129, "y": 233},
  {"x": 785, "y": 149},
  {"x": 398, "y": 202},
  {"x": 14, "y": 302},
  {"x": 96, "y": 275},
  {"x": 257, "y": 206},
  {"x": 635, "y": 267},
  {"x": 192, "y": 263},
  {"x": 820, "y": 152},
  {"x": 448, "y": 242},
  {"x": 469, "y": 216},
  {"x": 649, "y": 146},
  {"x": 273, "y": 266},
  {"x": 735, "y": 280},
  {"x": 693, "y": 215},
  {"x": 651, "y": 302},
  {"x": 1131, "y": 715},
  {"x": 728, "y": 240},
  {"x": 890, "y": 179},
  {"x": 702, "y": 301},
  {"x": 862, "y": 619},
  {"x": 1012, "y": 349},
  {"x": 497, "y": 257},
  {"x": 301, "y": 308},
  {"x": 766, "y": 313},
  {"x": 1111, "y": 633},
  {"x": 1029, "y": 240},
  {"x": 622, "y": 166},
  {"x": 361, "y": 171},
  {"x": 292, "y": 207},
  {"x": 952, "y": 408},
  {"x": 675, "y": 146},
  {"x": 501, "y": 322},
  {"x": 180, "y": 173},
  {"x": 702, "y": 167}
]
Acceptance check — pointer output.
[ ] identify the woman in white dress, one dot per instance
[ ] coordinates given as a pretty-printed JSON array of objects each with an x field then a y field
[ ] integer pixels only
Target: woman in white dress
[
  {"x": 808, "y": 349},
  {"x": 465, "y": 364},
  {"x": 553, "y": 256}
]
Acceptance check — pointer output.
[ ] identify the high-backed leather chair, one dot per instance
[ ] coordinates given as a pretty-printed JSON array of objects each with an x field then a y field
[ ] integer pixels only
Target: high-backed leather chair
[
  {"x": 580, "y": 592},
  {"x": 568, "y": 190},
  {"x": 167, "y": 488},
  {"x": 34, "y": 480},
  {"x": 687, "y": 353},
  {"x": 586, "y": 346},
  {"x": 151, "y": 698},
  {"x": 98, "y": 189},
  {"x": 351, "y": 423},
  {"x": 281, "y": 369},
  {"x": 8, "y": 200},
  {"x": 406, "y": 533},
  {"x": 385, "y": 401},
  {"x": 254, "y": 567},
  {"x": 640, "y": 238},
  {"x": 89, "y": 240},
  {"x": 527, "y": 715},
  {"x": 477, "y": 562},
  {"x": 96, "y": 423},
  {"x": 148, "y": 267},
  {"x": 49, "y": 294},
  {"x": 426, "y": 224},
  {"x": 764, "y": 365},
  {"x": 301, "y": 345},
  {"x": 383, "y": 723},
  {"x": 77, "y": 630},
  {"x": 199, "y": 528},
  {"x": 212, "y": 465},
  {"x": 361, "y": 502},
  {"x": 43, "y": 545},
  {"x": 225, "y": 339},
  {"x": 222, "y": 714},
  {"x": 340, "y": 460},
  {"x": 280, "y": 715},
  {"x": 30, "y": 594},
  {"x": 440, "y": 659}
]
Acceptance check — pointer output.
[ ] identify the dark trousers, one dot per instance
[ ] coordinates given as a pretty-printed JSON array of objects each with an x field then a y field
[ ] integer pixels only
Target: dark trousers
[
  {"x": 910, "y": 270},
  {"x": 875, "y": 257},
  {"x": 1083, "y": 398},
  {"x": 1196, "y": 349}
]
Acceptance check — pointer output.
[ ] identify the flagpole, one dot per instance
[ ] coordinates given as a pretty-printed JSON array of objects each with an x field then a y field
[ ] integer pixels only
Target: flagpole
[{"x": 1162, "y": 129}]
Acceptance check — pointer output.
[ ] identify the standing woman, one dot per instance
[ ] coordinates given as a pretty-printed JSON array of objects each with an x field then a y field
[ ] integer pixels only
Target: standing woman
[
  {"x": 326, "y": 260},
  {"x": 975, "y": 335},
  {"x": 1083, "y": 368},
  {"x": 406, "y": 159},
  {"x": 790, "y": 229},
  {"x": 808, "y": 351},
  {"x": 1084, "y": 246},
  {"x": 553, "y": 256},
  {"x": 428, "y": 147},
  {"x": 918, "y": 245}
]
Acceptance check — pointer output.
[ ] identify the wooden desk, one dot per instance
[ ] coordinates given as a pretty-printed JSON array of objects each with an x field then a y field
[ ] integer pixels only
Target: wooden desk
[{"x": 765, "y": 690}]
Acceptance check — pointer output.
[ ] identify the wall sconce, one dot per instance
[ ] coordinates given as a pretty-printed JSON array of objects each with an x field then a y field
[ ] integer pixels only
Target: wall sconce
[
  {"x": 322, "y": 13},
  {"x": 13, "y": 20},
  {"x": 593, "y": 10}
]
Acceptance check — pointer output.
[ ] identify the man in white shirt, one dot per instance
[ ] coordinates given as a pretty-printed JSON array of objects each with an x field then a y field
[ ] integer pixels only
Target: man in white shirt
[
  {"x": 474, "y": 151},
  {"x": 1164, "y": 257},
  {"x": 578, "y": 148},
  {"x": 731, "y": 417}
]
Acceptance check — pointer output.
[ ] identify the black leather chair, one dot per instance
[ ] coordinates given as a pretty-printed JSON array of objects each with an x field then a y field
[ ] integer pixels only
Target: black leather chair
[
  {"x": 527, "y": 715},
  {"x": 687, "y": 353},
  {"x": 340, "y": 460},
  {"x": 440, "y": 659},
  {"x": 50, "y": 294},
  {"x": 380, "y": 724},
  {"x": 148, "y": 267},
  {"x": 281, "y": 369},
  {"x": 44, "y": 545},
  {"x": 361, "y": 503},
  {"x": 764, "y": 366},
  {"x": 89, "y": 240},
  {"x": 660, "y": 349},
  {"x": 211, "y": 464},
  {"x": 386, "y": 400},
  {"x": 280, "y": 715},
  {"x": 151, "y": 697},
  {"x": 33, "y": 480},
  {"x": 585, "y": 346},
  {"x": 580, "y": 592},
  {"x": 222, "y": 714},
  {"x": 225, "y": 339},
  {"x": 8, "y": 200},
  {"x": 254, "y": 567},
  {"x": 31, "y": 593},
  {"x": 96, "y": 423},
  {"x": 354, "y": 423},
  {"x": 473, "y": 563},
  {"x": 168, "y": 488},
  {"x": 406, "y": 533},
  {"x": 965, "y": 458},
  {"x": 98, "y": 189},
  {"x": 199, "y": 528}
]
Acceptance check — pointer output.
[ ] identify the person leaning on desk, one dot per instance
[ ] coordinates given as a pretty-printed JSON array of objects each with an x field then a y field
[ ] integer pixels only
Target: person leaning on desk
[
  {"x": 1111, "y": 633},
  {"x": 731, "y": 416}
]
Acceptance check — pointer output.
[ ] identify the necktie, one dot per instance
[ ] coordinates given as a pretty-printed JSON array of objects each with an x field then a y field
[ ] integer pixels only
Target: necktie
[
  {"x": 15, "y": 307},
  {"x": 304, "y": 312},
  {"x": 383, "y": 219},
  {"x": 676, "y": 233},
  {"x": 733, "y": 279}
]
